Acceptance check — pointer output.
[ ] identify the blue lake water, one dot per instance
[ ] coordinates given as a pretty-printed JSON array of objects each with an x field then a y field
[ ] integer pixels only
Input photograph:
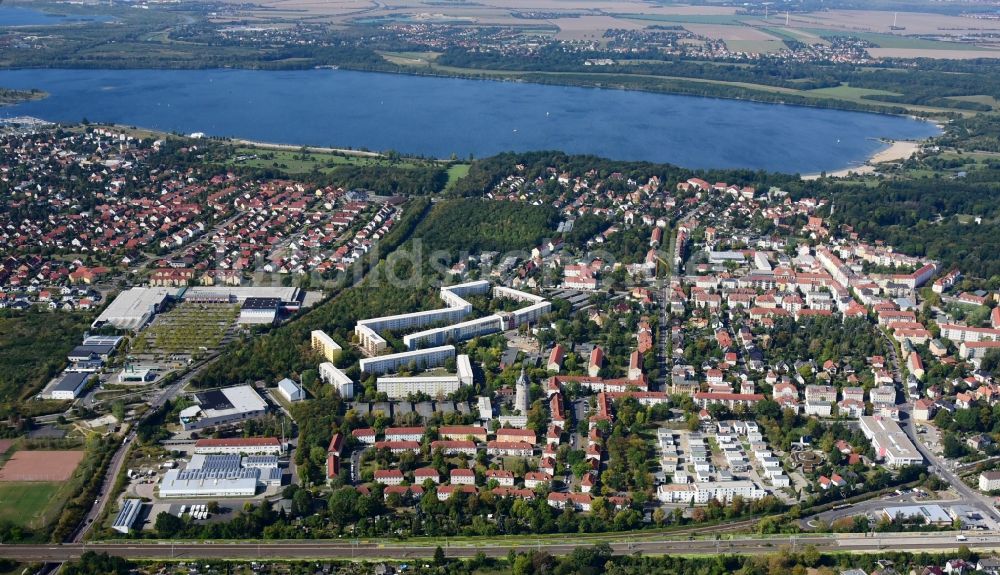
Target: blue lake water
[
  {"x": 442, "y": 116},
  {"x": 23, "y": 16}
]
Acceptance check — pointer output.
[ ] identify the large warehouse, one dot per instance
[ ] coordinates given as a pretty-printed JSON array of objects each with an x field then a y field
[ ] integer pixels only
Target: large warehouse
[
  {"x": 70, "y": 386},
  {"x": 221, "y": 476},
  {"x": 222, "y": 406},
  {"x": 134, "y": 308}
]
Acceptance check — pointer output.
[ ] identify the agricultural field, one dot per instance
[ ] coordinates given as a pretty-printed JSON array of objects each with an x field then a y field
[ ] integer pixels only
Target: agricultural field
[{"x": 189, "y": 328}]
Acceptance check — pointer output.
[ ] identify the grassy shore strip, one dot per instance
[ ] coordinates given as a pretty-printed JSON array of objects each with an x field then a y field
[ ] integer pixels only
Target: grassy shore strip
[{"x": 840, "y": 98}]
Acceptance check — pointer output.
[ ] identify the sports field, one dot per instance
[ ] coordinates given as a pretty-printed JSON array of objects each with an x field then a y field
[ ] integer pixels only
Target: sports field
[
  {"x": 30, "y": 504},
  {"x": 40, "y": 466}
]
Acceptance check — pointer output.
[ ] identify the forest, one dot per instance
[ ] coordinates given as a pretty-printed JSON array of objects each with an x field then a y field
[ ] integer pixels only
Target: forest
[
  {"x": 474, "y": 226},
  {"x": 920, "y": 82},
  {"x": 33, "y": 349},
  {"x": 926, "y": 217}
]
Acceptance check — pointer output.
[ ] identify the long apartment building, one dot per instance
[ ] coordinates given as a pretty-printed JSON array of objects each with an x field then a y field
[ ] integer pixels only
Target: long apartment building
[
  {"x": 962, "y": 333},
  {"x": 455, "y": 332},
  {"x": 368, "y": 330},
  {"x": 422, "y": 358},
  {"x": 702, "y": 493},
  {"x": 433, "y": 385}
]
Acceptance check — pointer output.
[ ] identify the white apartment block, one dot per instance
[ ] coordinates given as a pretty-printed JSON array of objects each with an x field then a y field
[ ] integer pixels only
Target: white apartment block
[
  {"x": 702, "y": 493},
  {"x": 461, "y": 331},
  {"x": 331, "y": 374},
  {"x": 423, "y": 358},
  {"x": 432, "y": 385}
]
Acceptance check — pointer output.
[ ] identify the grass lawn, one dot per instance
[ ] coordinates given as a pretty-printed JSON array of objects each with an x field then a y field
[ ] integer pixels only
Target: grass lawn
[
  {"x": 410, "y": 58},
  {"x": 848, "y": 92},
  {"x": 30, "y": 504},
  {"x": 456, "y": 173},
  {"x": 294, "y": 162},
  {"x": 980, "y": 99}
]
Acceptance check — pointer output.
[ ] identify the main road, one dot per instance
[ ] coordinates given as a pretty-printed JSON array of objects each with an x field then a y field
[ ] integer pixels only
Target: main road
[
  {"x": 339, "y": 549},
  {"x": 118, "y": 459},
  {"x": 940, "y": 465}
]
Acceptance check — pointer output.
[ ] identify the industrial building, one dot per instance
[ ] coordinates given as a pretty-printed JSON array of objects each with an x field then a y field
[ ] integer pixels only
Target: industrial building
[
  {"x": 259, "y": 311},
  {"x": 423, "y": 359},
  {"x": 223, "y": 406},
  {"x": 332, "y": 375},
  {"x": 239, "y": 446},
  {"x": 127, "y": 516},
  {"x": 133, "y": 374},
  {"x": 291, "y": 390},
  {"x": 925, "y": 514},
  {"x": 324, "y": 345},
  {"x": 890, "y": 442},
  {"x": 221, "y": 476},
  {"x": 134, "y": 308},
  {"x": 239, "y": 295},
  {"x": 70, "y": 386}
]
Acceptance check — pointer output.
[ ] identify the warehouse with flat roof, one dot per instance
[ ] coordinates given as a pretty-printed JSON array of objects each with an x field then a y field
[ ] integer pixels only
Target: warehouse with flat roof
[
  {"x": 223, "y": 406},
  {"x": 69, "y": 386},
  {"x": 127, "y": 515},
  {"x": 134, "y": 308},
  {"x": 221, "y": 476}
]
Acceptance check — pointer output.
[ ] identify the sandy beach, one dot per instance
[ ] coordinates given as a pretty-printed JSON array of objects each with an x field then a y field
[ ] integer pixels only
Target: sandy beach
[{"x": 897, "y": 150}]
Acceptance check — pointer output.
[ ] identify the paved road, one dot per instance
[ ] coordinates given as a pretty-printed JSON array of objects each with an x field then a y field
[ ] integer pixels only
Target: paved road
[
  {"x": 968, "y": 495},
  {"x": 118, "y": 459},
  {"x": 345, "y": 550}
]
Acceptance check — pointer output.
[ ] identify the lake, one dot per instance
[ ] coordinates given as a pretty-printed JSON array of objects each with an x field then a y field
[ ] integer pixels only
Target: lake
[
  {"x": 444, "y": 116},
  {"x": 21, "y": 16}
]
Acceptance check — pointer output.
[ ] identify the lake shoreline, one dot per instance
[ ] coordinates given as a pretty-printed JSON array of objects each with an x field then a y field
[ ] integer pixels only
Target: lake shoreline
[
  {"x": 421, "y": 117},
  {"x": 898, "y": 150}
]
